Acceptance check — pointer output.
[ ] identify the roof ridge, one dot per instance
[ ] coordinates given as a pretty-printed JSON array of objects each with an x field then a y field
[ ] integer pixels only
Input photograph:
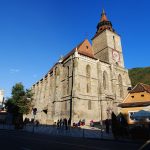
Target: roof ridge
[
  {"x": 81, "y": 43},
  {"x": 134, "y": 87},
  {"x": 83, "y": 51},
  {"x": 146, "y": 86},
  {"x": 141, "y": 87}
]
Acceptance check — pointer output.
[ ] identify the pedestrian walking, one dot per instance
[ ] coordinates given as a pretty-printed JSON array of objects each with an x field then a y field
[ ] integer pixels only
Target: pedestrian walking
[
  {"x": 58, "y": 124},
  {"x": 65, "y": 124}
]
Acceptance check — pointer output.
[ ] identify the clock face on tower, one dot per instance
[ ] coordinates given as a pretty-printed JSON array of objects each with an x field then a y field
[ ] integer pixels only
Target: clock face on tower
[{"x": 116, "y": 56}]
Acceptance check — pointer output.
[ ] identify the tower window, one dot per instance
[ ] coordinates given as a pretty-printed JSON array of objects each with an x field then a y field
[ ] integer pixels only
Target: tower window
[
  {"x": 87, "y": 47},
  {"x": 132, "y": 96},
  {"x": 142, "y": 95}
]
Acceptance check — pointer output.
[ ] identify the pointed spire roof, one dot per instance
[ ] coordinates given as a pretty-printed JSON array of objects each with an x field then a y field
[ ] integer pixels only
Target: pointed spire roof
[
  {"x": 103, "y": 16},
  {"x": 103, "y": 24}
]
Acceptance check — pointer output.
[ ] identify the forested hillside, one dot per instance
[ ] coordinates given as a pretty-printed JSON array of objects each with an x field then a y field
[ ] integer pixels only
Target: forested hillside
[{"x": 140, "y": 75}]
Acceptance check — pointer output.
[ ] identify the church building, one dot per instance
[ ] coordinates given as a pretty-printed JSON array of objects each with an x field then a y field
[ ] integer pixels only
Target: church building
[{"x": 88, "y": 83}]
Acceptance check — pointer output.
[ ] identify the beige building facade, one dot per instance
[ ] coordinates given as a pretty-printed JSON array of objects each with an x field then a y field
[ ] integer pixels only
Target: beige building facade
[
  {"x": 88, "y": 83},
  {"x": 136, "y": 105},
  {"x": 1, "y": 97}
]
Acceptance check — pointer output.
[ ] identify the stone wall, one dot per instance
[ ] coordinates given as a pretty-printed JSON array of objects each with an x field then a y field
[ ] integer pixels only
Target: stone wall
[{"x": 95, "y": 86}]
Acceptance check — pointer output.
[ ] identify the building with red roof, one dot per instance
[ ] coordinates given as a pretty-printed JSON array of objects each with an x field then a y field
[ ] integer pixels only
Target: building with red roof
[
  {"x": 87, "y": 83},
  {"x": 136, "y": 105}
]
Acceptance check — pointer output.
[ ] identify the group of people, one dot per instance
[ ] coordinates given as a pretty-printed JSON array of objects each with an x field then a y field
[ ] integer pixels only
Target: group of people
[
  {"x": 27, "y": 121},
  {"x": 63, "y": 123},
  {"x": 80, "y": 123}
]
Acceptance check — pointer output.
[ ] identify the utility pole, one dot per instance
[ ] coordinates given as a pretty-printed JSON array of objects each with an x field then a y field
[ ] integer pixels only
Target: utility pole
[
  {"x": 71, "y": 96},
  {"x": 100, "y": 101}
]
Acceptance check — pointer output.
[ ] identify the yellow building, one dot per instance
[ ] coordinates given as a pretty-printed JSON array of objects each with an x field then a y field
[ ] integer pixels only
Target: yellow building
[{"x": 136, "y": 106}]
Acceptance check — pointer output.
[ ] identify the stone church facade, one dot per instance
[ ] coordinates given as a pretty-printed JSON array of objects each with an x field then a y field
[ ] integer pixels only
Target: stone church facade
[{"x": 88, "y": 83}]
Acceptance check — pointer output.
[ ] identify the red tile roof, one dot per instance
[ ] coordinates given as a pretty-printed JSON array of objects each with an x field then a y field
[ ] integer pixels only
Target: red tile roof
[
  {"x": 84, "y": 48},
  {"x": 140, "y": 88}
]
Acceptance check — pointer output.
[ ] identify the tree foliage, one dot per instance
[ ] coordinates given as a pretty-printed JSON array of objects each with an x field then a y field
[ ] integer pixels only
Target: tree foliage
[
  {"x": 139, "y": 75},
  {"x": 20, "y": 101}
]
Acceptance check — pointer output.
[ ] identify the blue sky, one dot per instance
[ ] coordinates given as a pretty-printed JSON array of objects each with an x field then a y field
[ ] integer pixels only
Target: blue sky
[{"x": 35, "y": 33}]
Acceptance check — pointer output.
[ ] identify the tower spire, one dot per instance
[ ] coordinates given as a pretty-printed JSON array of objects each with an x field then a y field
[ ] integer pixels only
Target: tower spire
[
  {"x": 104, "y": 23},
  {"x": 103, "y": 16},
  {"x": 103, "y": 11}
]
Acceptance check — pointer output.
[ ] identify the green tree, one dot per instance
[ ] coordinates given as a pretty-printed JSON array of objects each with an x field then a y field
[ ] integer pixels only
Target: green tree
[
  {"x": 139, "y": 75},
  {"x": 20, "y": 102}
]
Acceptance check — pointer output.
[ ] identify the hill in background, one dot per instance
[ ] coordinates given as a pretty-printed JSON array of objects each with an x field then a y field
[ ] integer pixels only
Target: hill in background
[{"x": 141, "y": 75}]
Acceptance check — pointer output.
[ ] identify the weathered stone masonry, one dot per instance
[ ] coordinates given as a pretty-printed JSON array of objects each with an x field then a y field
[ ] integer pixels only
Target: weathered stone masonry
[{"x": 91, "y": 78}]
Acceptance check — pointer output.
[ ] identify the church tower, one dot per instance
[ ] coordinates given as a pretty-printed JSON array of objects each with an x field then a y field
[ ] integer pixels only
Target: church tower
[{"x": 107, "y": 43}]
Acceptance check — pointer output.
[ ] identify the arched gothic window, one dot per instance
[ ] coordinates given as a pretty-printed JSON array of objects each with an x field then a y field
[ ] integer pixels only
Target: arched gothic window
[
  {"x": 89, "y": 105},
  {"x": 88, "y": 71},
  {"x": 88, "y": 75},
  {"x": 67, "y": 71},
  {"x": 88, "y": 87},
  {"x": 57, "y": 71},
  {"x": 105, "y": 80},
  {"x": 120, "y": 86}
]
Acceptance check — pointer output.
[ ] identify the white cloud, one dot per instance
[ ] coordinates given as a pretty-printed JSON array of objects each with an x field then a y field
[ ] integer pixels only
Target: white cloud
[{"x": 14, "y": 70}]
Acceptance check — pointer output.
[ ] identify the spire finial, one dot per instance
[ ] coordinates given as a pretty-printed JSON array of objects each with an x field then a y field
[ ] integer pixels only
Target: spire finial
[
  {"x": 103, "y": 16},
  {"x": 103, "y": 11}
]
